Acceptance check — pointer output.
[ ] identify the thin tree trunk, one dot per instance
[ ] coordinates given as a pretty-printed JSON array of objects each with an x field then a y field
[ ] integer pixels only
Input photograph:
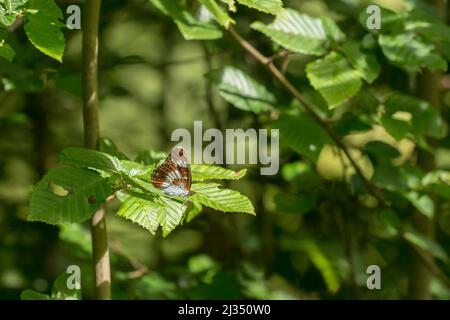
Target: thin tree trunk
[{"x": 100, "y": 250}]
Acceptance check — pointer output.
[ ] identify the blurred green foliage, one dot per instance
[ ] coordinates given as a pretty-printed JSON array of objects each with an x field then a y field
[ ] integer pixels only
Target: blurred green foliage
[{"x": 316, "y": 228}]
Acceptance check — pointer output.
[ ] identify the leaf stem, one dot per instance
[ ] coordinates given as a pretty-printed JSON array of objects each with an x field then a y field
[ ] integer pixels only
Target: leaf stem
[{"x": 100, "y": 248}]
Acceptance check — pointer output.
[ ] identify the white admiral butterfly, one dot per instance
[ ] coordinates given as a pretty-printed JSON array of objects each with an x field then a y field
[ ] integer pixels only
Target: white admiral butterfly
[{"x": 173, "y": 176}]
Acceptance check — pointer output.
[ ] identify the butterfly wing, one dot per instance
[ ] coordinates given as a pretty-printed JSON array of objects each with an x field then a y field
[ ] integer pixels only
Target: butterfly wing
[
  {"x": 182, "y": 163},
  {"x": 173, "y": 176}
]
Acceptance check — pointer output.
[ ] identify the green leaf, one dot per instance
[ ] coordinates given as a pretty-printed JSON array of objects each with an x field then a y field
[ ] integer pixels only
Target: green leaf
[
  {"x": 366, "y": 105},
  {"x": 422, "y": 202},
  {"x": 421, "y": 18},
  {"x": 6, "y": 51},
  {"x": 226, "y": 200},
  {"x": 141, "y": 211},
  {"x": 381, "y": 151},
  {"x": 426, "y": 119},
  {"x": 60, "y": 290},
  {"x": 432, "y": 31},
  {"x": 171, "y": 215},
  {"x": 318, "y": 257},
  {"x": 399, "y": 179},
  {"x": 133, "y": 169},
  {"x": 7, "y": 19},
  {"x": 151, "y": 212},
  {"x": 106, "y": 145},
  {"x": 397, "y": 128},
  {"x": 29, "y": 294},
  {"x": 150, "y": 157},
  {"x": 333, "y": 77},
  {"x": 365, "y": 63},
  {"x": 425, "y": 243},
  {"x": 239, "y": 89},
  {"x": 44, "y": 29},
  {"x": 267, "y": 6},
  {"x": 12, "y": 9},
  {"x": 438, "y": 182},
  {"x": 332, "y": 30},
  {"x": 350, "y": 123},
  {"x": 190, "y": 27},
  {"x": 142, "y": 183},
  {"x": 410, "y": 52},
  {"x": 323, "y": 264},
  {"x": 12, "y": 5},
  {"x": 219, "y": 15},
  {"x": 388, "y": 177},
  {"x": 201, "y": 172},
  {"x": 391, "y": 21},
  {"x": 302, "y": 134},
  {"x": 231, "y": 5},
  {"x": 68, "y": 195},
  {"x": 194, "y": 211},
  {"x": 296, "y": 32},
  {"x": 90, "y": 159}
]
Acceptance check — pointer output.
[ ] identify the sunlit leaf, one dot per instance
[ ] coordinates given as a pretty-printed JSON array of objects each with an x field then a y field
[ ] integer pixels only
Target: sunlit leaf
[
  {"x": 44, "y": 28},
  {"x": 68, "y": 195},
  {"x": 226, "y": 200},
  {"x": 267, "y": 6},
  {"x": 409, "y": 52},
  {"x": 190, "y": 27},
  {"x": 219, "y": 15},
  {"x": 90, "y": 158},
  {"x": 193, "y": 211},
  {"x": 333, "y": 77},
  {"x": 152, "y": 211},
  {"x": 365, "y": 63},
  {"x": 231, "y": 5},
  {"x": 140, "y": 211},
  {"x": 172, "y": 214},
  {"x": 239, "y": 89},
  {"x": 296, "y": 32},
  {"x": 201, "y": 172}
]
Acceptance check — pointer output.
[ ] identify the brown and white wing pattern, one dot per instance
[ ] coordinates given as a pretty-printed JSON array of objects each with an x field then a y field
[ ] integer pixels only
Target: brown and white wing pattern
[{"x": 173, "y": 176}]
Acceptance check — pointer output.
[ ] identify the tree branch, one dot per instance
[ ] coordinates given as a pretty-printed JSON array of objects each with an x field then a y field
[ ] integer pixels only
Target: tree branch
[
  {"x": 100, "y": 248},
  {"x": 268, "y": 62}
]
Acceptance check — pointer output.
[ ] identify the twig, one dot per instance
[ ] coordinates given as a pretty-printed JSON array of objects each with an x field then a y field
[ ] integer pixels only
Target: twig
[
  {"x": 100, "y": 251},
  {"x": 280, "y": 54},
  {"x": 268, "y": 62}
]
